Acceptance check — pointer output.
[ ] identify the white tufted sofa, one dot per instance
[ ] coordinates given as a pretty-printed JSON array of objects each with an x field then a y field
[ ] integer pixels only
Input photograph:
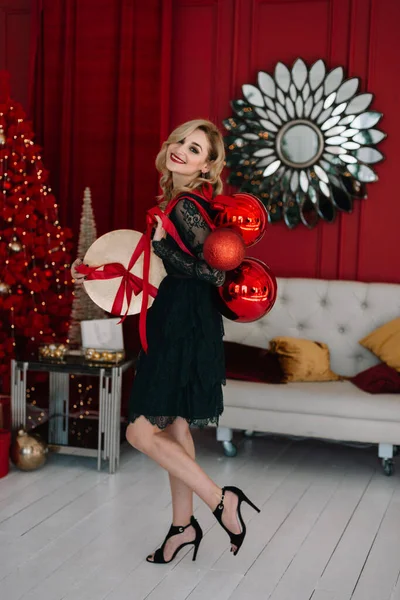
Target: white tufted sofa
[{"x": 338, "y": 313}]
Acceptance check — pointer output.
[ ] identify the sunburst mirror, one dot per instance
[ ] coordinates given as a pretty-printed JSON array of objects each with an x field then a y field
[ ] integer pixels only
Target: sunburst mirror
[{"x": 303, "y": 142}]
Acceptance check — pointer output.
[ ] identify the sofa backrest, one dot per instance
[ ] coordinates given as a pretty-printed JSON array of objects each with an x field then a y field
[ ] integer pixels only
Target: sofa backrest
[{"x": 339, "y": 313}]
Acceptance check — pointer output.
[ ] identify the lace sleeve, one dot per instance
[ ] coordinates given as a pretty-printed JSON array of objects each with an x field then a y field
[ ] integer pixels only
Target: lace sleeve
[{"x": 193, "y": 231}]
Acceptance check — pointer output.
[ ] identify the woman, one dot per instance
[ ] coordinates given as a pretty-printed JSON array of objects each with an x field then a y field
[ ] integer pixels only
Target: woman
[{"x": 178, "y": 382}]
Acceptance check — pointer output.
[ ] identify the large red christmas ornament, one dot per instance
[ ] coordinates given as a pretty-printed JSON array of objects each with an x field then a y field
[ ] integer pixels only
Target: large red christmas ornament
[
  {"x": 249, "y": 216},
  {"x": 224, "y": 249},
  {"x": 249, "y": 292}
]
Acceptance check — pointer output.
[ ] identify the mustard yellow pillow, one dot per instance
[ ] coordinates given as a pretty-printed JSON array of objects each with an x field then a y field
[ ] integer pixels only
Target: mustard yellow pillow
[
  {"x": 303, "y": 360},
  {"x": 384, "y": 342}
]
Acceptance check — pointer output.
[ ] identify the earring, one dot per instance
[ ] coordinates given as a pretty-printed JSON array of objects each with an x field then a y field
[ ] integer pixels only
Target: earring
[{"x": 205, "y": 175}]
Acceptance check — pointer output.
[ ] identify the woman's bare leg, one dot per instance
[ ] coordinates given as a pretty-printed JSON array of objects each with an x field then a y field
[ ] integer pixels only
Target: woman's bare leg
[
  {"x": 172, "y": 456},
  {"x": 182, "y": 495}
]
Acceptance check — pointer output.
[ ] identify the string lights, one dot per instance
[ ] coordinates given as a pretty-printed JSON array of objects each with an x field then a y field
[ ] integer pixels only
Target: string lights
[{"x": 35, "y": 282}]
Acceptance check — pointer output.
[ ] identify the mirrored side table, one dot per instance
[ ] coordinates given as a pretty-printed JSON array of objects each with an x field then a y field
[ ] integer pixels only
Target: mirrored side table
[{"x": 110, "y": 385}]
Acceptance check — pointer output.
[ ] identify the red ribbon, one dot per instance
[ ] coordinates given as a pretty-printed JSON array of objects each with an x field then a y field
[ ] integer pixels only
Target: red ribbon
[
  {"x": 130, "y": 283},
  {"x": 219, "y": 202},
  {"x": 166, "y": 223}
]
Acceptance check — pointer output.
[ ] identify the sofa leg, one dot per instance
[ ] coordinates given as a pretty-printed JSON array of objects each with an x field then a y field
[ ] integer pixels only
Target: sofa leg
[
  {"x": 224, "y": 435},
  {"x": 386, "y": 453},
  {"x": 248, "y": 433}
]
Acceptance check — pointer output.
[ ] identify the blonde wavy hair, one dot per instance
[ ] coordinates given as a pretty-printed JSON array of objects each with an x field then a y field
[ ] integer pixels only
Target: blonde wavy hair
[{"x": 216, "y": 157}]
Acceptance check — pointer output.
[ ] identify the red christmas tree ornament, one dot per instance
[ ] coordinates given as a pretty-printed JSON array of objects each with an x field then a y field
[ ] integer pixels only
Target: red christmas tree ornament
[
  {"x": 224, "y": 249},
  {"x": 249, "y": 292},
  {"x": 249, "y": 216}
]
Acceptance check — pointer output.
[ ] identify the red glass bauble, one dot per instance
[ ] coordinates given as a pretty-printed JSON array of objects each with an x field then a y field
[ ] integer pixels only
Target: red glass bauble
[
  {"x": 224, "y": 249},
  {"x": 249, "y": 291},
  {"x": 249, "y": 216}
]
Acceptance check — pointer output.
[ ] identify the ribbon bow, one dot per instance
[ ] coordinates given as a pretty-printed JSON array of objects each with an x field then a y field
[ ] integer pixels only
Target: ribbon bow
[{"x": 130, "y": 283}]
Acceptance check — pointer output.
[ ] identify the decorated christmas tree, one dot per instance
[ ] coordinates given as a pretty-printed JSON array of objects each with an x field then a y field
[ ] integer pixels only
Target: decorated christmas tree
[
  {"x": 35, "y": 283},
  {"x": 82, "y": 306}
]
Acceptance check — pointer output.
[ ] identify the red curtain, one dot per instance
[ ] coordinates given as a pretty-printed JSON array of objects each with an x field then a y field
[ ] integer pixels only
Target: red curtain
[
  {"x": 96, "y": 105},
  {"x": 95, "y": 88}
]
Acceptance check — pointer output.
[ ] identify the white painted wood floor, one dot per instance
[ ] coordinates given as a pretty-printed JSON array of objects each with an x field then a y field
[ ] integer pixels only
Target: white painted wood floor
[{"x": 329, "y": 528}]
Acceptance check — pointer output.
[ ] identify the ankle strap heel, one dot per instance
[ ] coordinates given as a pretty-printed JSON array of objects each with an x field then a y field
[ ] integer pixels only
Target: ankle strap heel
[
  {"x": 176, "y": 530},
  {"x": 235, "y": 538}
]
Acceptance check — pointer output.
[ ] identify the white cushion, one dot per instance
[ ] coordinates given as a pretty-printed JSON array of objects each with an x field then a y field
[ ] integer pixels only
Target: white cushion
[
  {"x": 330, "y": 398},
  {"x": 338, "y": 313}
]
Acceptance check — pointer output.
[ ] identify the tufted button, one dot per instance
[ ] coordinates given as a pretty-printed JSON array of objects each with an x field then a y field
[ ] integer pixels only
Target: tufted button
[
  {"x": 324, "y": 302},
  {"x": 359, "y": 357},
  {"x": 300, "y": 327},
  {"x": 364, "y": 305},
  {"x": 341, "y": 329},
  {"x": 283, "y": 299}
]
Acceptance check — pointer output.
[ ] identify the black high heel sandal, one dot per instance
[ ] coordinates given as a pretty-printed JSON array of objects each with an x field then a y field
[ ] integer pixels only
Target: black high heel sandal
[
  {"x": 158, "y": 557},
  {"x": 235, "y": 538}
]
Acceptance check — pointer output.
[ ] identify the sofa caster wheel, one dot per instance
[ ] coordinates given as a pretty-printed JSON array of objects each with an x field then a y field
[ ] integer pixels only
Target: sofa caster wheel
[
  {"x": 388, "y": 466},
  {"x": 248, "y": 433},
  {"x": 229, "y": 449},
  {"x": 395, "y": 450}
]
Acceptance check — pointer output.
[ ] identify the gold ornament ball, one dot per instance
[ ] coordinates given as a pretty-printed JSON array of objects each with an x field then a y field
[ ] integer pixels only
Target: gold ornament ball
[
  {"x": 43, "y": 351},
  {"x": 52, "y": 350},
  {"x": 4, "y": 288},
  {"x": 15, "y": 246},
  {"x": 28, "y": 451}
]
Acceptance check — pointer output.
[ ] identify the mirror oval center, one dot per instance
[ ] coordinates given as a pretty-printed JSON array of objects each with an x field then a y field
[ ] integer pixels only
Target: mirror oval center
[{"x": 299, "y": 143}]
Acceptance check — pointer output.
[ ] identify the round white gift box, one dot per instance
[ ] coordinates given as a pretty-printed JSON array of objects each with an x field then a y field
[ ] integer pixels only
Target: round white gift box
[{"x": 117, "y": 247}]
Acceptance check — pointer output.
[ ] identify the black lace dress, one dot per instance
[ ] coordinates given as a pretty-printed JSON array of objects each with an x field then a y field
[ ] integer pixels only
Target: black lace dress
[{"x": 184, "y": 369}]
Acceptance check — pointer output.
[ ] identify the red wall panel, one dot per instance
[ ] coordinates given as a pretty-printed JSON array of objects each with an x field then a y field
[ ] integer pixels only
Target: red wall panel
[
  {"x": 14, "y": 44},
  {"x": 379, "y": 254},
  {"x": 191, "y": 63},
  {"x": 217, "y": 46},
  {"x": 285, "y": 30}
]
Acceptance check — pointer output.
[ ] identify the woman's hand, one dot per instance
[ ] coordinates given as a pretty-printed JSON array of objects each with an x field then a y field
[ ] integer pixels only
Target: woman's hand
[
  {"x": 160, "y": 232},
  {"x": 79, "y": 277}
]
